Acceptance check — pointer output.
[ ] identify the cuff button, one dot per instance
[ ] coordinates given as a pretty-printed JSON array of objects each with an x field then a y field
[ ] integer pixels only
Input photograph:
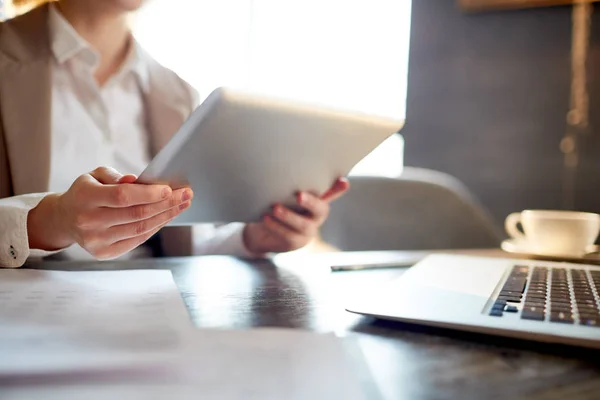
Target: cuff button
[{"x": 13, "y": 252}]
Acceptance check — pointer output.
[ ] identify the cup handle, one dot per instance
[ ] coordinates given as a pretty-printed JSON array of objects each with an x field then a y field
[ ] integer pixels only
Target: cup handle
[{"x": 511, "y": 225}]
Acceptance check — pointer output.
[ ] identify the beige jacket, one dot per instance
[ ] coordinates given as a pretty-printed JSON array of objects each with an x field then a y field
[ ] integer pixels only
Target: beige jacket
[{"x": 25, "y": 109}]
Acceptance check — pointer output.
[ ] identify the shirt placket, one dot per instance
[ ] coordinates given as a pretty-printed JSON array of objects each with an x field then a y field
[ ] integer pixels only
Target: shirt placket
[{"x": 97, "y": 106}]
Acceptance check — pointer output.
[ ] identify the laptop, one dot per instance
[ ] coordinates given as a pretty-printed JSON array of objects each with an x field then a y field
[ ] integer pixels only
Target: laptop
[{"x": 526, "y": 299}]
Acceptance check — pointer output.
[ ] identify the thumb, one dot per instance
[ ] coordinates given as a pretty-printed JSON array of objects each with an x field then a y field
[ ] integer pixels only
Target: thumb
[
  {"x": 336, "y": 191},
  {"x": 107, "y": 175},
  {"x": 129, "y": 178}
]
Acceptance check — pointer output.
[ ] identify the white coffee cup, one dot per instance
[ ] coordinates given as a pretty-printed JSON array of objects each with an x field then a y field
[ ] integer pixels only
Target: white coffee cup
[{"x": 555, "y": 233}]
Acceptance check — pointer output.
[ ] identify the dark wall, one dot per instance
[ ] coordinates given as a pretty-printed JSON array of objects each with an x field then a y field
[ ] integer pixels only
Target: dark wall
[
  {"x": 588, "y": 175},
  {"x": 487, "y": 100}
]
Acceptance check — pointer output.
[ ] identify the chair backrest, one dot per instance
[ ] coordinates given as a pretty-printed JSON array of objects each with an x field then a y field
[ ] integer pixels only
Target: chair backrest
[{"x": 422, "y": 209}]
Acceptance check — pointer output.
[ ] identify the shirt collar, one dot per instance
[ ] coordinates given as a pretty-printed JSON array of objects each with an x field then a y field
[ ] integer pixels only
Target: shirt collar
[
  {"x": 67, "y": 44},
  {"x": 136, "y": 61}
]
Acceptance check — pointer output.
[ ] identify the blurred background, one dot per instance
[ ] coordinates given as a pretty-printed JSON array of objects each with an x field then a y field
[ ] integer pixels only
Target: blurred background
[{"x": 485, "y": 86}]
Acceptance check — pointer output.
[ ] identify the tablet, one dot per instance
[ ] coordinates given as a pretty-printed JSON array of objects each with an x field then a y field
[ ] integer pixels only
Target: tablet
[{"x": 242, "y": 153}]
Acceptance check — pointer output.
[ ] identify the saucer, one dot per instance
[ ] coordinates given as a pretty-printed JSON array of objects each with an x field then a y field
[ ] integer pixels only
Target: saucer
[{"x": 519, "y": 247}]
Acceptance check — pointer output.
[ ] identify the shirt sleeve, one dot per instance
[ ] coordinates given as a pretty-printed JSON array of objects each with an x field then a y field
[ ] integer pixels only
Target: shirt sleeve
[
  {"x": 222, "y": 240},
  {"x": 14, "y": 242}
]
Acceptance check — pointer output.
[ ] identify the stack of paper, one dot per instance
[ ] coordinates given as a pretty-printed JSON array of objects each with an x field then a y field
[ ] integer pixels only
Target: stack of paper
[
  {"x": 127, "y": 334},
  {"x": 59, "y": 321}
]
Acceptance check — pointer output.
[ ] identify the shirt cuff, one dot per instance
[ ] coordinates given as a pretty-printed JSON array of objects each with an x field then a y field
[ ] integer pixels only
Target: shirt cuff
[
  {"x": 226, "y": 240},
  {"x": 14, "y": 241}
]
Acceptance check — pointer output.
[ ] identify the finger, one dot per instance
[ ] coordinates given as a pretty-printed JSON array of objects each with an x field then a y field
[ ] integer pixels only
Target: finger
[
  {"x": 106, "y": 191},
  {"x": 120, "y": 216},
  {"x": 121, "y": 247},
  {"x": 106, "y": 175},
  {"x": 318, "y": 208},
  {"x": 337, "y": 190},
  {"x": 121, "y": 232},
  {"x": 129, "y": 178},
  {"x": 283, "y": 232},
  {"x": 299, "y": 224},
  {"x": 128, "y": 194}
]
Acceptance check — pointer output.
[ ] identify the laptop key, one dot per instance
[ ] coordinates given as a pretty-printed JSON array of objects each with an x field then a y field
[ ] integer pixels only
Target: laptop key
[
  {"x": 562, "y": 317},
  {"x": 590, "y": 322},
  {"x": 512, "y": 299},
  {"x": 533, "y": 315},
  {"x": 581, "y": 284},
  {"x": 560, "y": 300},
  {"x": 533, "y": 309},
  {"x": 556, "y": 306},
  {"x": 539, "y": 289},
  {"x": 512, "y": 309},
  {"x": 515, "y": 284},
  {"x": 586, "y": 306},
  {"x": 533, "y": 304},
  {"x": 588, "y": 316},
  {"x": 591, "y": 303},
  {"x": 510, "y": 293},
  {"x": 536, "y": 296},
  {"x": 495, "y": 312},
  {"x": 535, "y": 291},
  {"x": 584, "y": 297},
  {"x": 583, "y": 292},
  {"x": 537, "y": 286},
  {"x": 560, "y": 284}
]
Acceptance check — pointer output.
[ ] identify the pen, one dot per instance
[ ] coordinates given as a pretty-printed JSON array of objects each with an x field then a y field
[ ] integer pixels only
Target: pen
[{"x": 359, "y": 267}]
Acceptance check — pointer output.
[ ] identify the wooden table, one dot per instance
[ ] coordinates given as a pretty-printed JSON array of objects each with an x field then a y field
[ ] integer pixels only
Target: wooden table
[{"x": 407, "y": 361}]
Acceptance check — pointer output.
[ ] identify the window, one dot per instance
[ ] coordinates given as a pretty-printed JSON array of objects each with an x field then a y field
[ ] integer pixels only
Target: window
[
  {"x": 2, "y": 10},
  {"x": 350, "y": 54}
]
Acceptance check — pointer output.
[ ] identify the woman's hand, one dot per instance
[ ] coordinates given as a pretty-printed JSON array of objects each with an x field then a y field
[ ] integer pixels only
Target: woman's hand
[
  {"x": 106, "y": 213},
  {"x": 286, "y": 230}
]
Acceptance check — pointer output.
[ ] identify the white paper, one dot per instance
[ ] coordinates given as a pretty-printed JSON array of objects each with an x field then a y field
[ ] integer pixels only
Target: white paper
[
  {"x": 53, "y": 321},
  {"x": 127, "y": 334},
  {"x": 274, "y": 364},
  {"x": 265, "y": 364}
]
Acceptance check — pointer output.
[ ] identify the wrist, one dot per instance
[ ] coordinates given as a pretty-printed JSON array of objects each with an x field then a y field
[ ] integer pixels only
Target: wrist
[
  {"x": 45, "y": 228},
  {"x": 248, "y": 236}
]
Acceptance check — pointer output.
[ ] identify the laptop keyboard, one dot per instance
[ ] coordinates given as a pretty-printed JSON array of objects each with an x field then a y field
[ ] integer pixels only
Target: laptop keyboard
[{"x": 557, "y": 295}]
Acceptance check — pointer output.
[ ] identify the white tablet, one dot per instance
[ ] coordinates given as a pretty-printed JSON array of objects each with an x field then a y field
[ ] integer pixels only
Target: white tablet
[{"x": 242, "y": 153}]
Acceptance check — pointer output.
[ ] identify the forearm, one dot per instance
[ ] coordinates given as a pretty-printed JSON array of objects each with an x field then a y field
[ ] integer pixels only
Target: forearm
[
  {"x": 44, "y": 226},
  {"x": 14, "y": 240}
]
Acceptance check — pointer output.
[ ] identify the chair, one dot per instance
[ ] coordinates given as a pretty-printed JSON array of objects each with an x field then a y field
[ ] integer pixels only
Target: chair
[{"x": 420, "y": 210}]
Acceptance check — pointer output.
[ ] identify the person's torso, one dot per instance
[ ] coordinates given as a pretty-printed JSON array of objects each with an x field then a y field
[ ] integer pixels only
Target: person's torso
[
  {"x": 31, "y": 122},
  {"x": 93, "y": 125}
]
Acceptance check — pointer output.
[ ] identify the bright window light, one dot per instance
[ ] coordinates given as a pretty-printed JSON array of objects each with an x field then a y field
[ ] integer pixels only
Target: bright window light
[
  {"x": 386, "y": 160},
  {"x": 348, "y": 54}
]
